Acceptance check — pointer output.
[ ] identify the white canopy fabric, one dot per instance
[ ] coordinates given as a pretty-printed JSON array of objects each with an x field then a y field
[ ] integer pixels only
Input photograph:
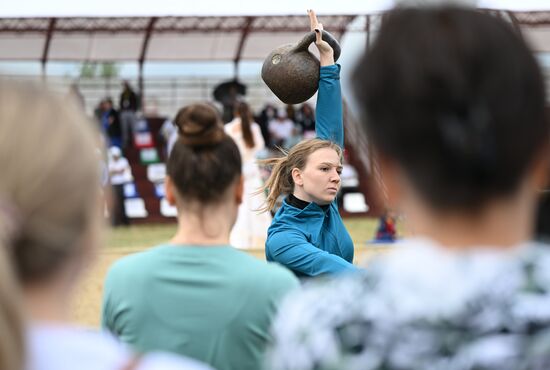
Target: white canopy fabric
[
  {"x": 186, "y": 8},
  {"x": 216, "y": 8},
  {"x": 153, "y": 38}
]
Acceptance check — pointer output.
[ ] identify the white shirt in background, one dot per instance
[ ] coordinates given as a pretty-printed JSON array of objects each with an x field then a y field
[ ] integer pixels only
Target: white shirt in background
[
  {"x": 281, "y": 130},
  {"x": 120, "y": 164}
]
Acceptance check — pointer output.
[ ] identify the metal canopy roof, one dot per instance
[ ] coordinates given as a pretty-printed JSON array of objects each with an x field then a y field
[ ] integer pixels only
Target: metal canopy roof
[
  {"x": 188, "y": 38},
  {"x": 195, "y": 38},
  {"x": 154, "y": 38}
]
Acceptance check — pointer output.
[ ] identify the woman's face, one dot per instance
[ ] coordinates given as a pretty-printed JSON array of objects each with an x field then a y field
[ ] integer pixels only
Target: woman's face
[{"x": 319, "y": 181}]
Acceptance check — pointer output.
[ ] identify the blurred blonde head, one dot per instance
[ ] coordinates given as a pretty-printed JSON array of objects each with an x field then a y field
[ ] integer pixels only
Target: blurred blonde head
[{"x": 49, "y": 192}]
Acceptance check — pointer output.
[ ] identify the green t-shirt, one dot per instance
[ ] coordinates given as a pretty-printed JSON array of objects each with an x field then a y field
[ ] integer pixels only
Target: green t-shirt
[{"x": 214, "y": 304}]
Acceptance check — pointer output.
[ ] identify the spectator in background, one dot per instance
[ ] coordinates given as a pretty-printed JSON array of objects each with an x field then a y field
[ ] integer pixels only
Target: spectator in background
[
  {"x": 229, "y": 93},
  {"x": 386, "y": 231},
  {"x": 50, "y": 230},
  {"x": 266, "y": 115},
  {"x": 98, "y": 112},
  {"x": 305, "y": 118},
  {"x": 290, "y": 112},
  {"x": 462, "y": 143},
  {"x": 120, "y": 173},
  {"x": 110, "y": 123},
  {"x": 281, "y": 128},
  {"x": 128, "y": 106}
]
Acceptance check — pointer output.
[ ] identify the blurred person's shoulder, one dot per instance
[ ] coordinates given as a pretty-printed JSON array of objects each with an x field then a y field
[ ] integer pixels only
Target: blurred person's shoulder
[
  {"x": 459, "y": 303},
  {"x": 420, "y": 278},
  {"x": 167, "y": 361},
  {"x": 60, "y": 347}
]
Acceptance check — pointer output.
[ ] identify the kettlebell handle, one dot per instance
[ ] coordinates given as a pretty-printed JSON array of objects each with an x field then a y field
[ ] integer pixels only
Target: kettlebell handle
[{"x": 326, "y": 36}]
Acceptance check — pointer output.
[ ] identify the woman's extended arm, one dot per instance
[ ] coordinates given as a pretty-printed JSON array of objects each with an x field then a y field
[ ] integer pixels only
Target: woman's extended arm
[
  {"x": 329, "y": 118},
  {"x": 291, "y": 249},
  {"x": 329, "y": 124}
]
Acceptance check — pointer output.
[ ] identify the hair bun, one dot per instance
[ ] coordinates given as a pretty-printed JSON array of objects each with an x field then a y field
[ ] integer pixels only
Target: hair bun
[{"x": 199, "y": 125}]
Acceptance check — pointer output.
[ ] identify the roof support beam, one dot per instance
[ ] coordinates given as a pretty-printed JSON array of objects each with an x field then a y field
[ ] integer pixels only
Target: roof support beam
[
  {"x": 144, "y": 46},
  {"x": 47, "y": 42},
  {"x": 342, "y": 31},
  {"x": 515, "y": 22},
  {"x": 244, "y": 35},
  {"x": 367, "y": 29}
]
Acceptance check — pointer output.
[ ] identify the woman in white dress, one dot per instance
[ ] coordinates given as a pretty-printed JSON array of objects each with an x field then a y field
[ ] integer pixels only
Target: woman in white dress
[{"x": 250, "y": 230}]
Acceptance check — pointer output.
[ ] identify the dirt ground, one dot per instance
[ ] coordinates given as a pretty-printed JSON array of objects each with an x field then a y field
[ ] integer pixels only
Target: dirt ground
[{"x": 87, "y": 304}]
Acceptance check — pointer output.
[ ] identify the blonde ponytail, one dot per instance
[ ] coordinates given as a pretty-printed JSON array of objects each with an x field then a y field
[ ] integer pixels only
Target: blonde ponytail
[{"x": 279, "y": 182}]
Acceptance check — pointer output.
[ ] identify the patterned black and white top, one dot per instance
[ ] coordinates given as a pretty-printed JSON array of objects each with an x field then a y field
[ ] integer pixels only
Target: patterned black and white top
[{"x": 423, "y": 307}]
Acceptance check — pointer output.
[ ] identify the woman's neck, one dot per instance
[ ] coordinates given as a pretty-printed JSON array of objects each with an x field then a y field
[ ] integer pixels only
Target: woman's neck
[
  {"x": 501, "y": 223},
  {"x": 48, "y": 302},
  {"x": 210, "y": 226}
]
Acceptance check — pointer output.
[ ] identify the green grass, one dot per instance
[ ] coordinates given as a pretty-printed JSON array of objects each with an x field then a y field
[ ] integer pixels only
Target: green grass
[
  {"x": 360, "y": 229},
  {"x": 140, "y": 236}
]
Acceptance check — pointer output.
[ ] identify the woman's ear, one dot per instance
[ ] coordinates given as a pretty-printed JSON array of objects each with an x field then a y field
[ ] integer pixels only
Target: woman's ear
[
  {"x": 170, "y": 191},
  {"x": 297, "y": 177},
  {"x": 239, "y": 190}
]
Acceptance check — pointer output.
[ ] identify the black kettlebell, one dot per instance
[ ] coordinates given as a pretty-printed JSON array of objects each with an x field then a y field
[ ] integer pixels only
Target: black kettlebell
[{"x": 292, "y": 72}]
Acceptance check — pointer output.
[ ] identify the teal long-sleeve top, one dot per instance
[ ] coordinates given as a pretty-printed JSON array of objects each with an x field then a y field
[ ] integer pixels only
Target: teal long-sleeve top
[{"x": 314, "y": 241}]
